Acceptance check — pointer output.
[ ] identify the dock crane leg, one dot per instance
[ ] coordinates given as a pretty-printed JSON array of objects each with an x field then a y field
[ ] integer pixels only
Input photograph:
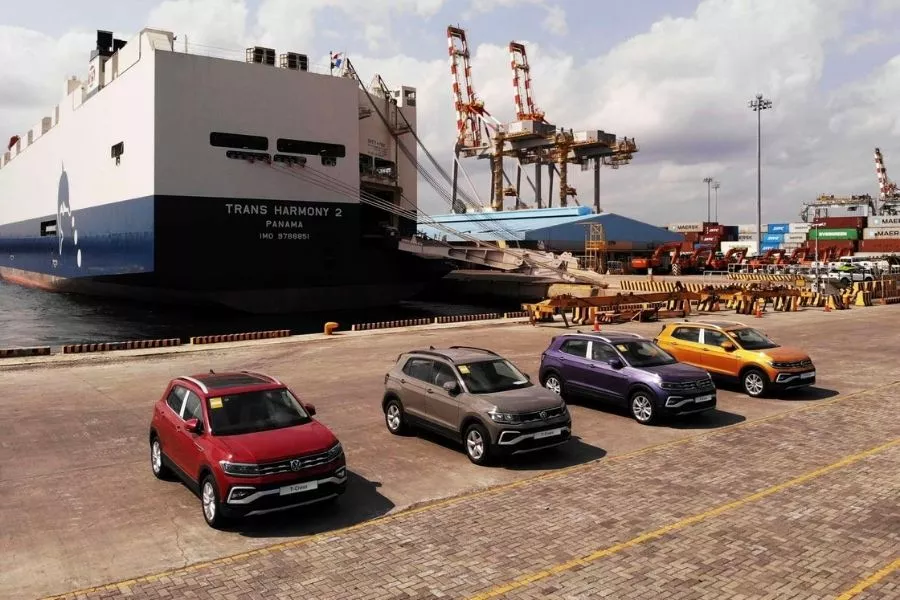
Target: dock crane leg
[
  {"x": 518, "y": 184},
  {"x": 453, "y": 204},
  {"x": 550, "y": 170},
  {"x": 537, "y": 185},
  {"x": 597, "y": 185}
]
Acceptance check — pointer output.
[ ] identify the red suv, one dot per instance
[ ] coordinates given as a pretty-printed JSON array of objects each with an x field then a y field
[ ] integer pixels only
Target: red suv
[{"x": 245, "y": 444}]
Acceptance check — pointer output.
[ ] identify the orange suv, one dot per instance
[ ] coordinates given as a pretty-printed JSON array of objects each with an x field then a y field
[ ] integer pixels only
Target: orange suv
[{"x": 733, "y": 350}]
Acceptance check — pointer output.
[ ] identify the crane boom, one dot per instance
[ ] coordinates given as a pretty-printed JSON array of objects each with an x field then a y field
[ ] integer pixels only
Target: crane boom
[
  {"x": 472, "y": 119},
  {"x": 525, "y": 108}
]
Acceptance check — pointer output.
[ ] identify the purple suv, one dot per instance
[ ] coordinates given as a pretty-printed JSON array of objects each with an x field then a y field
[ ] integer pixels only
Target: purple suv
[{"x": 627, "y": 368}]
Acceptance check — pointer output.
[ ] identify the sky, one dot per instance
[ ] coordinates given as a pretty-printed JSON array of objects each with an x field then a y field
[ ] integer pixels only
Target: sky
[{"x": 676, "y": 75}]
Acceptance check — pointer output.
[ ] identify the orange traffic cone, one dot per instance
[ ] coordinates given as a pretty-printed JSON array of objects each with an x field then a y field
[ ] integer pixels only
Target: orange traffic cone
[
  {"x": 827, "y": 306},
  {"x": 596, "y": 322},
  {"x": 758, "y": 314}
]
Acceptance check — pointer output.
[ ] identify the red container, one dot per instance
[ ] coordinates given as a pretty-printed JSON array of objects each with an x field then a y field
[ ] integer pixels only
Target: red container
[
  {"x": 687, "y": 246},
  {"x": 714, "y": 230},
  {"x": 839, "y": 244},
  {"x": 842, "y": 222},
  {"x": 711, "y": 239},
  {"x": 881, "y": 245},
  {"x": 692, "y": 237}
]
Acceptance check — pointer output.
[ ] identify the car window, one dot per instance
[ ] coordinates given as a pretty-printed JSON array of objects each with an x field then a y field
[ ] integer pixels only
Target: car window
[
  {"x": 443, "y": 373},
  {"x": 575, "y": 347},
  {"x": 711, "y": 337},
  {"x": 602, "y": 352},
  {"x": 250, "y": 412},
  {"x": 752, "y": 339},
  {"x": 490, "y": 376},
  {"x": 419, "y": 368},
  {"x": 644, "y": 353},
  {"x": 192, "y": 408},
  {"x": 688, "y": 334},
  {"x": 175, "y": 400}
]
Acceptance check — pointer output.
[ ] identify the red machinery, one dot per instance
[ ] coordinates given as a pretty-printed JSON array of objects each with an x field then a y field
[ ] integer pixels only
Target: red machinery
[
  {"x": 642, "y": 263},
  {"x": 734, "y": 255}
]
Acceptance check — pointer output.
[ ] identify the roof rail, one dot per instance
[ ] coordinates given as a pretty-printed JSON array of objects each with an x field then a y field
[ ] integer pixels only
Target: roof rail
[
  {"x": 431, "y": 353},
  {"x": 710, "y": 322},
  {"x": 262, "y": 376},
  {"x": 196, "y": 382},
  {"x": 474, "y": 348}
]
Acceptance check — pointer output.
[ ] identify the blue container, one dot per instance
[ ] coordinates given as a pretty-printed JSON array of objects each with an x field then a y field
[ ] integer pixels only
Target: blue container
[
  {"x": 779, "y": 227},
  {"x": 773, "y": 238},
  {"x": 765, "y": 247}
]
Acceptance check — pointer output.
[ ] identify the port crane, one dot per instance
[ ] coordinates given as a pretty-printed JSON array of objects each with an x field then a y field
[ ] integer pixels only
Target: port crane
[
  {"x": 888, "y": 195},
  {"x": 887, "y": 203}
]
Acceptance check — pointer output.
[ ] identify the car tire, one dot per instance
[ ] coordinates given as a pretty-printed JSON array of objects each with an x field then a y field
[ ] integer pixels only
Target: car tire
[
  {"x": 478, "y": 444},
  {"x": 755, "y": 383},
  {"x": 157, "y": 463},
  {"x": 642, "y": 408},
  {"x": 553, "y": 381},
  {"x": 394, "y": 417},
  {"x": 210, "y": 504}
]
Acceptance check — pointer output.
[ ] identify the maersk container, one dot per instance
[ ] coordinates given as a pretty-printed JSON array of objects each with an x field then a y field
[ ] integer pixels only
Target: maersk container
[
  {"x": 833, "y": 234},
  {"x": 799, "y": 227},
  {"x": 746, "y": 237},
  {"x": 685, "y": 227},
  {"x": 884, "y": 222},
  {"x": 881, "y": 233},
  {"x": 773, "y": 238},
  {"x": 778, "y": 227}
]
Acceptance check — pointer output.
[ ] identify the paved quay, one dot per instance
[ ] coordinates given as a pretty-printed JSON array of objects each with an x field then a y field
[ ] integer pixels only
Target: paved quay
[{"x": 796, "y": 492}]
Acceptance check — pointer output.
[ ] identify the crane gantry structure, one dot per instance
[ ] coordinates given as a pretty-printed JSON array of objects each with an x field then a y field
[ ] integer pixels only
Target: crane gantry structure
[
  {"x": 531, "y": 139},
  {"x": 887, "y": 202}
]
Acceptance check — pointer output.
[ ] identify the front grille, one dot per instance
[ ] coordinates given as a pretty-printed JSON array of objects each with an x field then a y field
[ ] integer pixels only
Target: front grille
[
  {"x": 305, "y": 462},
  {"x": 689, "y": 386},
  {"x": 793, "y": 365},
  {"x": 540, "y": 415}
]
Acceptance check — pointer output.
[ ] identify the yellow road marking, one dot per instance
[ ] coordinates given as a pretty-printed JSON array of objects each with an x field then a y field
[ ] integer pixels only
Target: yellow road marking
[
  {"x": 687, "y": 522},
  {"x": 462, "y": 497},
  {"x": 869, "y": 581}
]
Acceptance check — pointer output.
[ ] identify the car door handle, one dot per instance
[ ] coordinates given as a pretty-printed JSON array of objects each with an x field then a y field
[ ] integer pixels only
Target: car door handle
[
  {"x": 402, "y": 381},
  {"x": 429, "y": 391}
]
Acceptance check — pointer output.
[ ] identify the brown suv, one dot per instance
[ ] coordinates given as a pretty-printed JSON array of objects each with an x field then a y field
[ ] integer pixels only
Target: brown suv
[{"x": 476, "y": 396}]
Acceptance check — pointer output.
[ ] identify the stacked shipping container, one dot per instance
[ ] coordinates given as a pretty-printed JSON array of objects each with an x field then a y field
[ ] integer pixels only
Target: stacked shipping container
[{"x": 881, "y": 236}]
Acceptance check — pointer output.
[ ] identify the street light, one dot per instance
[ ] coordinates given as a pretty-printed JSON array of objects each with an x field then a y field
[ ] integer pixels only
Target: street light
[
  {"x": 707, "y": 181},
  {"x": 758, "y": 105},
  {"x": 716, "y": 186}
]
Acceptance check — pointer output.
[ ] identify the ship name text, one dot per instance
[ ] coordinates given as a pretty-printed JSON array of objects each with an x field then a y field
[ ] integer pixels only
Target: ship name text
[{"x": 282, "y": 210}]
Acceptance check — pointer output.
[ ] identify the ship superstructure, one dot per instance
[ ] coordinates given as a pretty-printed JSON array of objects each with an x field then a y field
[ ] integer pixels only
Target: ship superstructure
[{"x": 172, "y": 176}]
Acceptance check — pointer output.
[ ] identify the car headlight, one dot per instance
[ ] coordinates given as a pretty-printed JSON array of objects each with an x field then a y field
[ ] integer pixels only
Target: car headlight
[
  {"x": 240, "y": 469},
  {"x": 335, "y": 451},
  {"x": 499, "y": 417}
]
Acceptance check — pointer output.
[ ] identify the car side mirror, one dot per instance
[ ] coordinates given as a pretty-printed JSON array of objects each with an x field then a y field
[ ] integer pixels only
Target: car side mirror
[
  {"x": 451, "y": 387},
  {"x": 193, "y": 425},
  {"x": 729, "y": 346},
  {"x": 311, "y": 409},
  {"x": 615, "y": 363}
]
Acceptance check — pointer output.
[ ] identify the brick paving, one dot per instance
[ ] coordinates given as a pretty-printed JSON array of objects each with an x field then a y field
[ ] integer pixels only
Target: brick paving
[{"x": 811, "y": 540}]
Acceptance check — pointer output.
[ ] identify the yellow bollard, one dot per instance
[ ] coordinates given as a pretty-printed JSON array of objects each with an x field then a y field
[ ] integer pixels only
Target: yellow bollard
[{"x": 330, "y": 326}]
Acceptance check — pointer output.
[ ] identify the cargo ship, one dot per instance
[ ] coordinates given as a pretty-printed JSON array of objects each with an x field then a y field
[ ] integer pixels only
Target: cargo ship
[{"x": 172, "y": 176}]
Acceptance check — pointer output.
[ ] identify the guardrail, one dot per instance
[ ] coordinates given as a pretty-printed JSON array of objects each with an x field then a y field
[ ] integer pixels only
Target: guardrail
[{"x": 112, "y": 346}]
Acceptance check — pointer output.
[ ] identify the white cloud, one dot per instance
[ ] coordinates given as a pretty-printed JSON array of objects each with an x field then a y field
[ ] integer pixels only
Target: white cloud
[
  {"x": 555, "y": 21},
  {"x": 867, "y": 38},
  {"x": 681, "y": 89}
]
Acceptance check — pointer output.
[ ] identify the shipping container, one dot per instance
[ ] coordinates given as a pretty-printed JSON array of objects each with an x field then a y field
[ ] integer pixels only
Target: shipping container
[
  {"x": 751, "y": 228},
  {"x": 794, "y": 237},
  {"x": 798, "y": 227},
  {"x": 833, "y": 234},
  {"x": 687, "y": 246},
  {"x": 778, "y": 228},
  {"x": 790, "y": 246},
  {"x": 878, "y": 233},
  {"x": 885, "y": 245},
  {"x": 746, "y": 237},
  {"x": 884, "y": 221},
  {"x": 714, "y": 230},
  {"x": 839, "y": 244},
  {"x": 773, "y": 238},
  {"x": 750, "y": 246},
  {"x": 692, "y": 236},
  {"x": 686, "y": 227},
  {"x": 767, "y": 247},
  {"x": 842, "y": 222},
  {"x": 710, "y": 239}
]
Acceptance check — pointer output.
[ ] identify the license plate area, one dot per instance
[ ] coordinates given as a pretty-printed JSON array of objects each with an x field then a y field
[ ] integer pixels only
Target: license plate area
[
  {"x": 296, "y": 488},
  {"x": 700, "y": 399},
  {"x": 545, "y": 434},
  {"x": 809, "y": 375}
]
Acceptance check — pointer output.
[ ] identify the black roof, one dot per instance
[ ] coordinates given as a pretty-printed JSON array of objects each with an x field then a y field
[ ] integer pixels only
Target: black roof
[
  {"x": 218, "y": 381},
  {"x": 457, "y": 354},
  {"x": 612, "y": 336}
]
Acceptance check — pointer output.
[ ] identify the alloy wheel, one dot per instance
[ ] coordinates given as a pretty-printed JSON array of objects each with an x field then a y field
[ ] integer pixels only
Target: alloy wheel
[
  {"x": 209, "y": 501},
  {"x": 642, "y": 408},
  {"x": 553, "y": 384},
  {"x": 156, "y": 457},
  {"x": 475, "y": 444},
  {"x": 393, "y": 417},
  {"x": 753, "y": 383}
]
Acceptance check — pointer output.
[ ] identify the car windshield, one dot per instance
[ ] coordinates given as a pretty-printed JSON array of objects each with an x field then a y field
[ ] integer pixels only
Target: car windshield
[
  {"x": 489, "y": 376},
  {"x": 644, "y": 353},
  {"x": 751, "y": 339},
  {"x": 251, "y": 412}
]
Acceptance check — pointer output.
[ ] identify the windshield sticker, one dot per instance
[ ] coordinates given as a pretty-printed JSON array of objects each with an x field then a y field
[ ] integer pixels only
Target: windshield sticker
[
  {"x": 215, "y": 403},
  {"x": 464, "y": 369},
  {"x": 622, "y": 348}
]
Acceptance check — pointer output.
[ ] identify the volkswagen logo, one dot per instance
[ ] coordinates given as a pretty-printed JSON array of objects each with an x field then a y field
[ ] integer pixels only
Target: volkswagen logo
[
  {"x": 543, "y": 414},
  {"x": 295, "y": 464}
]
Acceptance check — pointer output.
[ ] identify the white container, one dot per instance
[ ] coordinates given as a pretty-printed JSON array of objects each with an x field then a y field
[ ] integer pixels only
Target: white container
[
  {"x": 799, "y": 227},
  {"x": 790, "y": 238},
  {"x": 881, "y": 233},
  {"x": 750, "y": 228},
  {"x": 878, "y": 222},
  {"x": 685, "y": 227},
  {"x": 747, "y": 237},
  {"x": 750, "y": 246}
]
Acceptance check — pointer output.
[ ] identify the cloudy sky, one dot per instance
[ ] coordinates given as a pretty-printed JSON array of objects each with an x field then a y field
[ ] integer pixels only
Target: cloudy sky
[{"x": 674, "y": 74}]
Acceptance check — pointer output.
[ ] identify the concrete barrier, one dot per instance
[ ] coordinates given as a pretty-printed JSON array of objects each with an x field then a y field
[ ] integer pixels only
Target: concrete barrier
[
  {"x": 240, "y": 337},
  {"x": 111, "y": 346},
  {"x": 464, "y": 318},
  {"x": 24, "y": 351},
  {"x": 390, "y": 324}
]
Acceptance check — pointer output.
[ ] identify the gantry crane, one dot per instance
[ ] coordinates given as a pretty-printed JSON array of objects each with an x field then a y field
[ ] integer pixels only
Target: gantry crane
[{"x": 888, "y": 195}]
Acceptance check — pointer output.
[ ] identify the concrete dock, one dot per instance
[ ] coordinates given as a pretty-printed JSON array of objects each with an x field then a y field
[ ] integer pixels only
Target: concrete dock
[{"x": 794, "y": 496}]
